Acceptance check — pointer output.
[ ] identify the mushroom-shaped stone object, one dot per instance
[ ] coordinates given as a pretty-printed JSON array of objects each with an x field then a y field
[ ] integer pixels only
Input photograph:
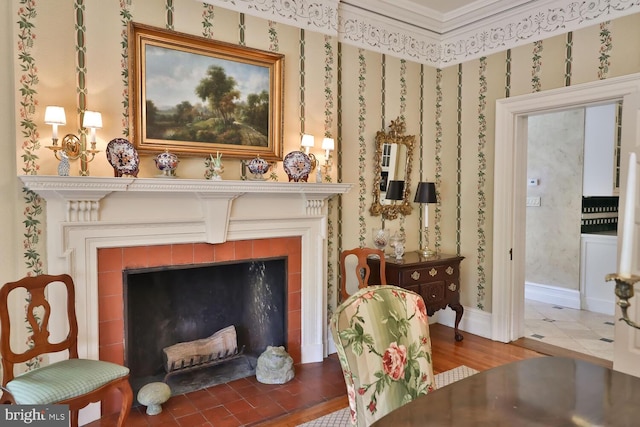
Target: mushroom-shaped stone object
[{"x": 153, "y": 395}]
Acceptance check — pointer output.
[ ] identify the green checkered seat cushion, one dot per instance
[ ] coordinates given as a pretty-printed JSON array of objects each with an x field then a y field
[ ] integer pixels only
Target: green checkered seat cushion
[{"x": 63, "y": 380}]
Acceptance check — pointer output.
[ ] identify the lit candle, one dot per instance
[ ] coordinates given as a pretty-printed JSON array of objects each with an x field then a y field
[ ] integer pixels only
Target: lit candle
[{"x": 628, "y": 220}]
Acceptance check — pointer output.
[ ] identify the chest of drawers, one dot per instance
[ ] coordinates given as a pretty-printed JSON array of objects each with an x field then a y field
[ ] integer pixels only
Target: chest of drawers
[{"x": 435, "y": 278}]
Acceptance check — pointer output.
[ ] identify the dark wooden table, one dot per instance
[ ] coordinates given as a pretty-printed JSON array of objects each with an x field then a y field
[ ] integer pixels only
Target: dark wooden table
[
  {"x": 436, "y": 278},
  {"x": 544, "y": 391}
]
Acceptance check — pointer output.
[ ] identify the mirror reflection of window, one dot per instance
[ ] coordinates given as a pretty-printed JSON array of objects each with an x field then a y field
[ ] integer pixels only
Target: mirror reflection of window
[{"x": 388, "y": 169}]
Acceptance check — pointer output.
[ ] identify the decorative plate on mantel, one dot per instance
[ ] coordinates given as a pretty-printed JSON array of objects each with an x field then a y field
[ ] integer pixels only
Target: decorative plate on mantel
[
  {"x": 123, "y": 157},
  {"x": 297, "y": 165}
]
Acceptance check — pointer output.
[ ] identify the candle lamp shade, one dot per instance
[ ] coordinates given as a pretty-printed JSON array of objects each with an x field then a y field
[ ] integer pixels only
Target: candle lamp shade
[
  {"x": 395, "y": 190},
  {"x": 426, "y": 193},
  {"x": 54, "y": 115}
]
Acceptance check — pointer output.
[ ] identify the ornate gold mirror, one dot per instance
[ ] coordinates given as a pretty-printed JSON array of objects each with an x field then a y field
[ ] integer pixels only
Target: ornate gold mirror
[{"x": 393, "y": 160}]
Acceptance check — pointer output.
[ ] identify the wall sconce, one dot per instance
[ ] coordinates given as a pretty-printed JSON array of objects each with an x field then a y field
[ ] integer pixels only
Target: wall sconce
[
  {"x": 425, "y": 194},
  {"x": 328, "y": 144},
  {"x": 307, "y": 142},
  {"x": 74, "y": 147}
]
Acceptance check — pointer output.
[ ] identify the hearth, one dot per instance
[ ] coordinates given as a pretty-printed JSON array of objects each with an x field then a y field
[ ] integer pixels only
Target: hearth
[{"x": 173, "y": 304}]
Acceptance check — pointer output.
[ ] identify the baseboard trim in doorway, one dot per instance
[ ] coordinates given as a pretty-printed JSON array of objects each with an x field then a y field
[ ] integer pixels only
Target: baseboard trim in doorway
[{"x": 551, "y": 350}]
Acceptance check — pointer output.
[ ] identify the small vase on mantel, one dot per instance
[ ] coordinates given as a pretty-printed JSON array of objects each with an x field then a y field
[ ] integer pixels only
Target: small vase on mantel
[
  {"x": 258, "y": 168},
  {"x": 167, "y": 163}
]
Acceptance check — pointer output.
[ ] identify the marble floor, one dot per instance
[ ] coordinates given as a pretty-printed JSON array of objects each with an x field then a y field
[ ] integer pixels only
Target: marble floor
[{"x": 578, "y": 330}]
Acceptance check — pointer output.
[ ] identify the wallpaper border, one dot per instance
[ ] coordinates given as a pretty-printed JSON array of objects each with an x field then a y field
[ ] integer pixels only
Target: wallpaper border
[{"x": 367, "y": 30}]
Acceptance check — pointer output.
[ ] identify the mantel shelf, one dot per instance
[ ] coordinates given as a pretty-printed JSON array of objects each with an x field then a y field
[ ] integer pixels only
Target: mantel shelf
[{"x": 94, "y": 188}]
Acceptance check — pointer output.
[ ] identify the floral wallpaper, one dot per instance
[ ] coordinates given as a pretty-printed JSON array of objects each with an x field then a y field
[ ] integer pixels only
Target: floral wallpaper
[{"x": 456, "y": 104}]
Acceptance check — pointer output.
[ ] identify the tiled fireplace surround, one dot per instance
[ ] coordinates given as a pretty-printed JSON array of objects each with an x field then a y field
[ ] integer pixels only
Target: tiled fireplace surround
[{"x": 97, "y": 226}]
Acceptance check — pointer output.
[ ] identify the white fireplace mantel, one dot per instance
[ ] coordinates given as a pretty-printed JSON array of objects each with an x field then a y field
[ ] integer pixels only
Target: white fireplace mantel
[{"x": 84, "y": 214}]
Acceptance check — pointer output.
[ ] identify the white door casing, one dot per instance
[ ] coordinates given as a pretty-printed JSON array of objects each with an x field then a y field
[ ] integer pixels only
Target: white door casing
[{"x": 510, "y": 193}]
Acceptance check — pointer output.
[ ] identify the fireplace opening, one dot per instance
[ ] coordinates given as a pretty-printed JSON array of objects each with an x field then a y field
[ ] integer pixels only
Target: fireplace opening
[{"x": 173, "y": 304}]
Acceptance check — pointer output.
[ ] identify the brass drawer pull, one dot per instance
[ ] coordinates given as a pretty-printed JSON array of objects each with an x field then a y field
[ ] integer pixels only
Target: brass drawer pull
[
  {"x": 452, "y": 287},
  {"x": 449, "y": 270},
  {"x": 433, "y": 272},
  {"x": 415, "y": 275}
]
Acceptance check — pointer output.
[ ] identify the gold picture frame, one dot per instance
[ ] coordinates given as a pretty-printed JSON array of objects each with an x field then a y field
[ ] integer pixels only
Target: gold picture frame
[{"x": 196, "y": 96}]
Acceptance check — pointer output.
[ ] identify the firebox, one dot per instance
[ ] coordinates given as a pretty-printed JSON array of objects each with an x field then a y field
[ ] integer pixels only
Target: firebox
[{"x": 168, "y": 305}]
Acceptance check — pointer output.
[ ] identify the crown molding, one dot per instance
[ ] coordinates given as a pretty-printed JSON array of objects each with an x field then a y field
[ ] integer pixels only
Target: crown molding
[{"x": 468, "y": 33}]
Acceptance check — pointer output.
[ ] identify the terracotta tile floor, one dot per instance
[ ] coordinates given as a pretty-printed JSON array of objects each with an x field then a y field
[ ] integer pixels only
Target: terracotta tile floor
[{"x": 243, "y": 402}]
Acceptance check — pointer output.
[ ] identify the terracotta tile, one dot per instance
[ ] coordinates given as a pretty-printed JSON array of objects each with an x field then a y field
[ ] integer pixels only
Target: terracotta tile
[
  {"x": 260, "y": 399},
  {"x": 202, "y": 399},
  {"x": 226, "y": 395},
  {"x": 280, "y": 246},
  {"x": 135, "y": 257},
  {"x": 193, "y": 420},
  {"x": 293, "y": 322},
  {"x": 294, "y": 283},
  {"x": 216, "y": 413},
  {"x": 110, "y": 283},
  {"x": 295, "y": 255},
  {"x": 229, "y": 421},
  {"x": 262, "y": 248},
  {"x": 110, "y": 307},
  {"x": 164, "y": 418},
  {"x": 247, "y": 417},
  {"x": 109, "y": 259},
  {"x": 159, "y": 255},
  {"x": 225, "y": 252},
  {"x": 244, "y": 249},
  {"x": 294, "y": 301},
  {"x": 112, "y": 353},
  {"x": 180, "y": 406},
  {"x": 203, "y": 253},
  {"x": 270, "y": 411},
  {"x": 111, "y": 332},
  {"x": 237, "y": 406},
  {"x": 182, "y": 254}
]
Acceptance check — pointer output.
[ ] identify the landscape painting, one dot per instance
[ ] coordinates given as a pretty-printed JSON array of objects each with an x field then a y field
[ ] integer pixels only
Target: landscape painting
[{"x": 197, "y": 96}]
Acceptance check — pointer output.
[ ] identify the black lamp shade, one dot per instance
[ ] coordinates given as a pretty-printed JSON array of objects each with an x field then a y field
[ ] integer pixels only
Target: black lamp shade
[
  {"x": 395, "y": 190},
  {"x": 426, "y": 193}
]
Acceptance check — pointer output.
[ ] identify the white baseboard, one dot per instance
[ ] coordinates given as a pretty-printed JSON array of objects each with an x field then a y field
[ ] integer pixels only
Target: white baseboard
[
  {"x": 563, "y": 297},
  {"x": 473, "y": 320}
]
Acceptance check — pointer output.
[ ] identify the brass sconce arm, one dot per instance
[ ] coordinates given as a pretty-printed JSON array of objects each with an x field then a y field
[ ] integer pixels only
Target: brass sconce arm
[
  {"x": 624, "y": 291},
  {"x": 73, "y": 146}
]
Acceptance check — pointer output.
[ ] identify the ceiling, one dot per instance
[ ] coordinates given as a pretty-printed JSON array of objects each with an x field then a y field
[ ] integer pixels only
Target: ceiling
[{"x": 440, "y": 17}]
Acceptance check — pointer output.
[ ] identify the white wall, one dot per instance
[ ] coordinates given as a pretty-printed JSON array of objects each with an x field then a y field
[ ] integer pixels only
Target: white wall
[{"x": 555, "y": 153}]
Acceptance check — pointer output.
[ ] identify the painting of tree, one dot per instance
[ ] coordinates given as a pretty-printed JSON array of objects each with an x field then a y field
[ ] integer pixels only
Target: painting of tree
[{"x": 195, "y": 95}]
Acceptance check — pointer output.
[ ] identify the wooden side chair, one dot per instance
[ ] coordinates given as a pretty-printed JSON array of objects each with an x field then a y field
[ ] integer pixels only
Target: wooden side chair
[
  {"x": 74, "y": 382},
  {"x": 362, "y": 270},
  {"x": 384, "y": 347}
]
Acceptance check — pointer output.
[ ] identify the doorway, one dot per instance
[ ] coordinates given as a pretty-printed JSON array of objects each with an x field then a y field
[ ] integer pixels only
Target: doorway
[{"x": 510, "y": 188}]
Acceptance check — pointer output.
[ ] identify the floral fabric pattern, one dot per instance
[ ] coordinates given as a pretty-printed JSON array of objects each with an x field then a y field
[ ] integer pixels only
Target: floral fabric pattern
[{"x": 383, "y": 343}]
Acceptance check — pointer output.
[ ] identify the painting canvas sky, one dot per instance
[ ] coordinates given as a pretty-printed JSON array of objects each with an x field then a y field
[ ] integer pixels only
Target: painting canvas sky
[{"x": 172, "y": 76}]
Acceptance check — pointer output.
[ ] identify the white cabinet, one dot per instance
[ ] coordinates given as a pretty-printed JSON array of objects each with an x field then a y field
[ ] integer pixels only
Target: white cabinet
[
  {"x": 598, "y": 258},
  {"x": 599, "y": 150}
]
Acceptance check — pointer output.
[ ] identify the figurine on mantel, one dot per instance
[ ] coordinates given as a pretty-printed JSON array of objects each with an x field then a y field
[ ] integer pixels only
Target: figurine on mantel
[
  {"x": 63, "y": 166},
  {"x": 214, "y": 166}
]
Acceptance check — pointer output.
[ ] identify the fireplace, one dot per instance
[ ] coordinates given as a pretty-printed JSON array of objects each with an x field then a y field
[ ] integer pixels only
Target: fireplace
[
  {"x": 145, "y": 222},
  {"x": 174, "y": 304}
]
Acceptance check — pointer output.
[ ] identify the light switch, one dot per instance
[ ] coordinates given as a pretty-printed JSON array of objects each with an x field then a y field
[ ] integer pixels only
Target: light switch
[{"x": 533, "y": 201}]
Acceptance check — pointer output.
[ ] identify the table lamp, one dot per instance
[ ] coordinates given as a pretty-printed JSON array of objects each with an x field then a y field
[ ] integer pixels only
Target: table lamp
[{"x": 425, "y": 194}]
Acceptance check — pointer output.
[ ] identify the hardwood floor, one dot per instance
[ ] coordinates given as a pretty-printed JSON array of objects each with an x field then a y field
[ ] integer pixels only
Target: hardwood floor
[
  {"x": 474, "y": 351},
  {"x": 316, "y": 390}
]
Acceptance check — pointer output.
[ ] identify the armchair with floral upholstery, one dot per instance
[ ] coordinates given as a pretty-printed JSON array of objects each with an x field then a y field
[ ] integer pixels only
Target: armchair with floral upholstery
[{"x": 382, "y": 340}]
